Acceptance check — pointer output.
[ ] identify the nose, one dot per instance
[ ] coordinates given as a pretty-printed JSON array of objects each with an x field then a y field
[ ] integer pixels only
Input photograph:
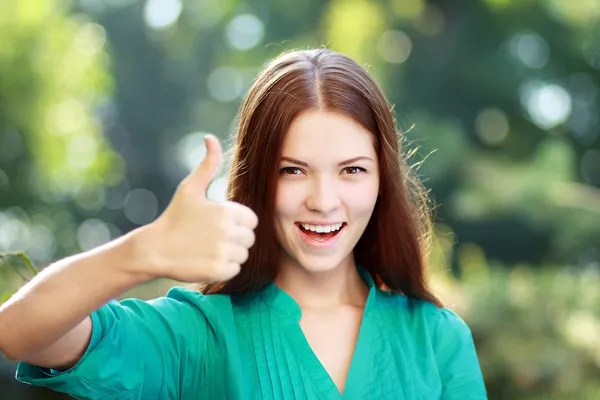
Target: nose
[{"x": 323, "y": 197}]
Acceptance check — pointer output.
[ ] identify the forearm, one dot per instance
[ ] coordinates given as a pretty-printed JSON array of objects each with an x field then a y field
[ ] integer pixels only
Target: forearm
[{"x": 64, "y": 294}]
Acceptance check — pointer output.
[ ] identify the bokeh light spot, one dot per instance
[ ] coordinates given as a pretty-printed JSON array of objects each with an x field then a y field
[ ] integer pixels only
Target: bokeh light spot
[
  {"x": 90, "y": 38},
  {"x": 548, "y": 105},
  {"x": 245, "y": 31},
  {"x": 225, "y": 84},
  {"x": 394, "y": 46},
  {"x": 92, "y": 233},
  {"x": 491, "y": 126},
  {"x": 43, "y": 245},
  {"x": 162, "y": 14},
  {"x": 82, "y": 151},
  {"x": 141, "y": 206},
  {"x": 191, "y": 150},
  {"x": 530, "y": 49}
]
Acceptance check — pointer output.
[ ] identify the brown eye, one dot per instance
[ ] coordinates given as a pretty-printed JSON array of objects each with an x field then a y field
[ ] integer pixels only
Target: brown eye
[
  {"x": 354, "y": 170},
  {"x": 290, "y": 171}
]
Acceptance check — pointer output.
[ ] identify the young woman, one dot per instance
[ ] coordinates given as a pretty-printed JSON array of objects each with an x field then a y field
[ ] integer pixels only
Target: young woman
[{"x": 313, "y": 274}]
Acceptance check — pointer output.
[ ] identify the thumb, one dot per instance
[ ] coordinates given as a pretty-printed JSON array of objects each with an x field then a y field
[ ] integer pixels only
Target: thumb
[{"x": 206, "y": 171}]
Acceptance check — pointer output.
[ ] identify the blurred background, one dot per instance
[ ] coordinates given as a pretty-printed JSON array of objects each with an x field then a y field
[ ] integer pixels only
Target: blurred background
[{"x": 103, "y": 104}]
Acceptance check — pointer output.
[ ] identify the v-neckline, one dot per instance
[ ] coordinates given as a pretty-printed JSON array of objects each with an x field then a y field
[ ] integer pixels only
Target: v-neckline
[{"x": 290, "y": 312}]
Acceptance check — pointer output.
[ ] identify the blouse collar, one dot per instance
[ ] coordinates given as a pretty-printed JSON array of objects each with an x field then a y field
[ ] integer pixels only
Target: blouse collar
[{"x": 286, "y": 306}]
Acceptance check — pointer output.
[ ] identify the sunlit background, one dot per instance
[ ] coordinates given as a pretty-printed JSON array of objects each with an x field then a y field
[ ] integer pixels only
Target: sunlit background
[{"x": 104, "y": 103}]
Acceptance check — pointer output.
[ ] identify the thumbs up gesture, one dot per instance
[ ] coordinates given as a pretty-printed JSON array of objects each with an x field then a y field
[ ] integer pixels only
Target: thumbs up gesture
[{"x": 196, "y": 239}]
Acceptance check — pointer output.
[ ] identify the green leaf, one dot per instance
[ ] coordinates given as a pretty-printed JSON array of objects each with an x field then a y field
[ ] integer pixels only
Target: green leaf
[
  {"x": 27, "y": 261},
  {"x": 6, "y": 296},
  {"x": 7, "y": 258},
  {"x": 15, "y": 260}
]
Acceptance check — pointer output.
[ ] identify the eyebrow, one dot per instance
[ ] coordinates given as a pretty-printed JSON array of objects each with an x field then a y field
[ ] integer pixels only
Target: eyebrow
[{"x": 340, "y": 164}]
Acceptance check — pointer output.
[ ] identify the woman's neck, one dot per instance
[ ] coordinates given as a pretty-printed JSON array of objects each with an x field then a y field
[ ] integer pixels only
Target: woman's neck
[{"x": 341, "y": 286}]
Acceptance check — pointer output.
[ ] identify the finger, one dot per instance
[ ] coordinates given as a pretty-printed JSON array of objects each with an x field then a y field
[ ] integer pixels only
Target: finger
[
  {"x": 232, "y": 269},
  {"x": 227, "y": 272},
  {"x": 244, "y": 216},
  {"x": 206, "y": 171},
  {"x": 242, "y": 236},
  {"x": 238, "y": 254}
]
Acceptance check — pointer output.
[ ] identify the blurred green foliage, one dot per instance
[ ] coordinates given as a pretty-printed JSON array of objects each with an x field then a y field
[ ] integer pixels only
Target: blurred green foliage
[
  {"x": 537, "y": 330},
  {"x": 103, "y": 102},
  {"x": 16, "y": 262}
]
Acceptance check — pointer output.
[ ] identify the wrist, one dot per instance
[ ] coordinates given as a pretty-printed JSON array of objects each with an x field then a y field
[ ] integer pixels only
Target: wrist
[{"x": 132, "y": 257}]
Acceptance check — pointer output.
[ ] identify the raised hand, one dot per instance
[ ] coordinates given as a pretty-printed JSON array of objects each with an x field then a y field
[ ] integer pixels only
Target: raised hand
[{"x": 196, "y": 239}]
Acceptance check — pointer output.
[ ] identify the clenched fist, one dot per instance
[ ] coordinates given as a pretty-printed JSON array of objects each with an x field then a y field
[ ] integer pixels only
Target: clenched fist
[{"x": 195, "y": 239}]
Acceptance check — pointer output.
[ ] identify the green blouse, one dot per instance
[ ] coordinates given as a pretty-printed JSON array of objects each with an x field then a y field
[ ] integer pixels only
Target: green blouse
[{"x": 192, "y": 346}]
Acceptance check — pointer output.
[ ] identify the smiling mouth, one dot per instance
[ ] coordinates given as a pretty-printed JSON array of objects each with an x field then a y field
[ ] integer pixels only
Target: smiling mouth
[{"x": 320, "y": 236}]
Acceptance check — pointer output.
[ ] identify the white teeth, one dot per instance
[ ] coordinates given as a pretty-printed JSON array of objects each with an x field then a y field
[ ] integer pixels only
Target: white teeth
[{"x": 322, "y": 228}]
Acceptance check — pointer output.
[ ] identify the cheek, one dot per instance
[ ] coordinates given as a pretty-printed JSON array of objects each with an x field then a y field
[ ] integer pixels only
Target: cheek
[
  {"x": 363, "y": 199},
  {"x": 287, "y": 201},
  {"x": 287, "y": 205}
]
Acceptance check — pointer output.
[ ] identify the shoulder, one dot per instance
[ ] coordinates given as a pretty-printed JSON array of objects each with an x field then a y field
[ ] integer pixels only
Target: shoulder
[
  {"x": 179, "y": 307},
  {"x": 176, "y": 299},
  {"x": 451, "y": 341},
  {"x": 442, "y": 320},
  {"x": 452, "y": 344},
  {"x": 191, "y": 298},
  {"x": 422, "y": 315},
  {"x": 186, "y": 301},
  {"x": 441, "y": 333}
]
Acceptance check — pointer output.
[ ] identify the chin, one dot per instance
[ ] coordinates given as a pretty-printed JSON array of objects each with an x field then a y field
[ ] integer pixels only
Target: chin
[
  {"x": 295, "y": 253},
  {"x": 316, "y": 264}
]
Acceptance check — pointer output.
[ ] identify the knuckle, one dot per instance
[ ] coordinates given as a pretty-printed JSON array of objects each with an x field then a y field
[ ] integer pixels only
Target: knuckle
[
  {"x": 249, "y": 214},
  {"x": 185, "y": 188},
  {"x": 251, "y": 239},
  {"x": 244, "y": 254},
  {"x": 182, "y": 185},
  {"x": 233, "y": 269},
  {"x": 226, "y": 214},
  {"x": 252, "y": 219}
]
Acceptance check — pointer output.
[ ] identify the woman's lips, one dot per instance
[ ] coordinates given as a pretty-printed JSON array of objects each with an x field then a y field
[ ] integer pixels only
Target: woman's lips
[{"x": 317, "y": 241}]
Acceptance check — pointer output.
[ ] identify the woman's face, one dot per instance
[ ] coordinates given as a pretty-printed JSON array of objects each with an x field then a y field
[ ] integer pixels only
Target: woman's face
[{"x": 327, "y": 189}]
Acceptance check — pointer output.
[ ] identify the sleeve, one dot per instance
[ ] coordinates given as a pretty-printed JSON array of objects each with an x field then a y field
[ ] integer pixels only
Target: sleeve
[
  {"x": 456, "y": 357},
  {"x": 138, "y": 350}
]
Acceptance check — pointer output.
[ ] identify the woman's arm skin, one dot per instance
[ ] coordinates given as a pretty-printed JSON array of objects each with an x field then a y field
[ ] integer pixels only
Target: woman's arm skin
[{"x": 47, "y": 322}]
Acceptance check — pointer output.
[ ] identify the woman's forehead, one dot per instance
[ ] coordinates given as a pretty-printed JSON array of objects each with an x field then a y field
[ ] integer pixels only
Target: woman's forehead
[{"x": 326, "y": 133}]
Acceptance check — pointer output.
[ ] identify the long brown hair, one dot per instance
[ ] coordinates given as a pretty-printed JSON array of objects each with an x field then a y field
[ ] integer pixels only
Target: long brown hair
[{"x": 395, "y": 244}]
